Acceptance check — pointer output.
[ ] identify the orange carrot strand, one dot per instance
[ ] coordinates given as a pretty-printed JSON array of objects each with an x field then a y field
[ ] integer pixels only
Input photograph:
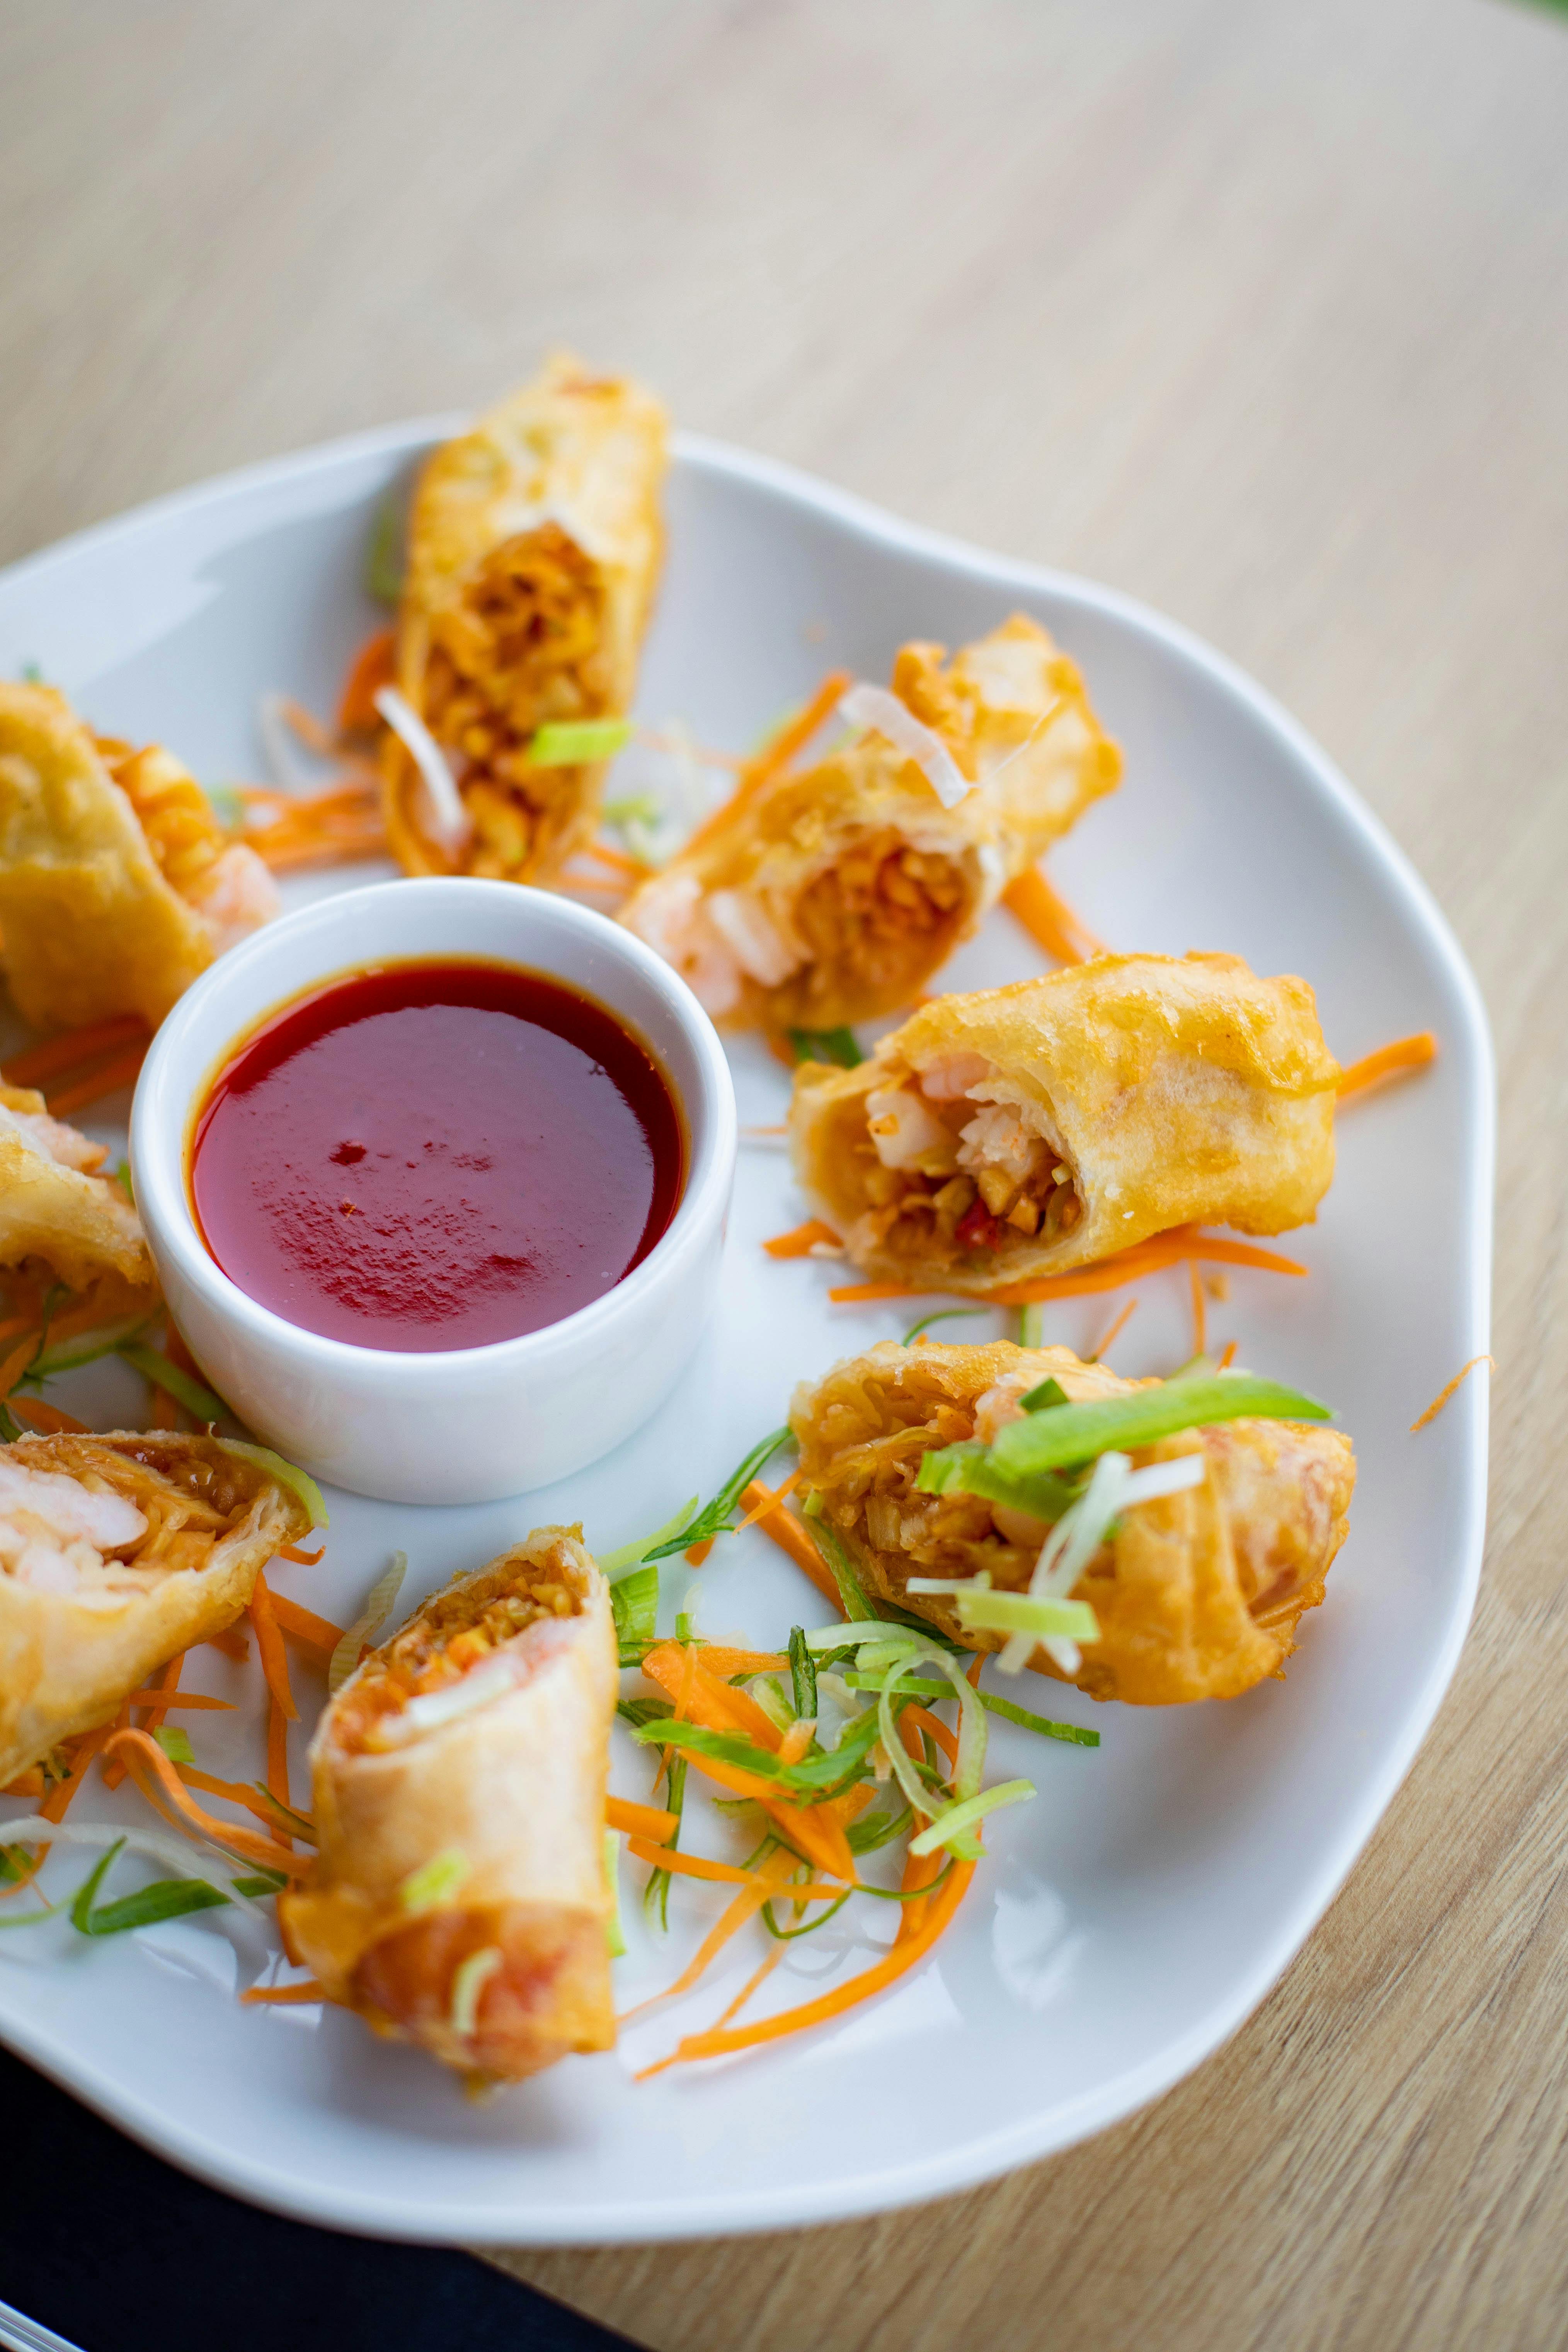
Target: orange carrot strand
[
  {"x": 117, "y": 1072},
  {"x": 1403, "y": 1054},
  {"x": 270, "y": 1649},
  {"x": 1441, "y": 1399},
  {"x": 76, "y": 1046},
  {"x": 799, "y": 1240},
  {"x": 1048, "y": 920}
]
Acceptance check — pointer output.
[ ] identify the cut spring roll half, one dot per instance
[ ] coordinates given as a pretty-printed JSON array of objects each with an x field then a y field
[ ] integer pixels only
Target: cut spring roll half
[
  {"x": 1196, "y": 1594},
  {"x": 533, "y": 553},
  {"x": 117, "y": 1553},
  {"x": 460, "y": 1900},
  {"x": 1019, "y": 1132},
  {"x": 57, "y": 1210},
  {"x": 828, "y": 897},
  {"x": 118, "y": 885}
]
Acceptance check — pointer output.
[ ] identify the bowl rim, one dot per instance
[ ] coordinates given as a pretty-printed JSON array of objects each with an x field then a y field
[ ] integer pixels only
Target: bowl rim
[{"x": 160, "y": 1129}]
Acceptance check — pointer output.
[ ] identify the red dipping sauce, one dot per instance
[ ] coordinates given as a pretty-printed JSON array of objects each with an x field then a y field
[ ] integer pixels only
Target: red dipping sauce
[{"x": 435, "y": 1155}]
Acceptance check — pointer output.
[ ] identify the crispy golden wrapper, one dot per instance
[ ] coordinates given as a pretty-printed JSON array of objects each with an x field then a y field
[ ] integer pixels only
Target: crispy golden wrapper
[
  {"x": 460, "y": 1900},
  {"x": 533, "y": 554},
  {"x": 53, "y": 1204},
  {"x": 1197, "y": 1595},
  {"x": 831, "y": 895},
  {"x": 117, "y": 1553},
  {"x": 1021, "y": 1131},
  {"x": 117, "y": 883}
]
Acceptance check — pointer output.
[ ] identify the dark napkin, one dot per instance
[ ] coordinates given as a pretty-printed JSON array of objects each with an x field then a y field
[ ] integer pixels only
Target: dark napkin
[{"x": 114, "y": 2249}]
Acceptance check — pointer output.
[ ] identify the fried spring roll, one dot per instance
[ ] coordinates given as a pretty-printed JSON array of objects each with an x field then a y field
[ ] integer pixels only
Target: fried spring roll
[
  {"x": 1021, "y": 1131},
  {"x": 460, "y": 1900},
  {"x": 831, "y": 895},
  {"x": 1197, "y": 1594},
  {"x": 117, "y": 1553},
  {"x": 55, "y": 1205},
  {"x": 118, "y": 885},
  {"x": 533, "y": 554}
]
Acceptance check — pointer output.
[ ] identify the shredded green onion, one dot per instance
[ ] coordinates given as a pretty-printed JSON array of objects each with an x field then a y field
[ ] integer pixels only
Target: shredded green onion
[
  {"x": 1047, "y": 1729},
  {"x": 68, "y": 1354},
  {"x": 572, "y": 742},
  {"x": 1049, "y": 1394},
  {"x": 175, "y": 1743},
  {"x": 836, "y": 1045},
  {"x": 432, "y": 1884},
  {"x": 633, "y": 1603},
  {"x": 191, "y": 1393},
  {"x": 959, "y": 1818},
  {"x": 1076, "y": 1434},
  {"x": 382, "y": 573},
  {"x": 1032, "y": 1326},
  {"x": 1020, "y": 1613},
  {"x": 361, "y": 1634},
  {"x": 802, "y": 1673},
  {"x": 632, "y": 1555},
  {"x": 469, "y": 1979},
  {"x": 167, "y": 1898},
  {"x": 715, "y": 1519},
  {"x": 810, "y": 1778},
  {"x": 615, "y": 1935},
  {"x": 942, "y": 1315},
  {"x": 297, "y": 1481}
]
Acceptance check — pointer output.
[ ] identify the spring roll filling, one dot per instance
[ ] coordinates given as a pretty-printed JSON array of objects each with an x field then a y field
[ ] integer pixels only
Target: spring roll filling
[
  {"x": 113, "y": 1529},
  {"x": 866, "y": 918},
  {"x": 223, "y": 883},
  {"x": 958, "y": 1162},
  {"x": 524, "y": 645},
  {"x": 1271, "y": 1485},
  {"x": 472, "y": 1632}
]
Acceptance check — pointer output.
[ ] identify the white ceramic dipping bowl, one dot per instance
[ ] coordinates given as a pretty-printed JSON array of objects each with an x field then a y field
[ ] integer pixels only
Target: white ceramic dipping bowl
[{"x": 472, "y": 1424}]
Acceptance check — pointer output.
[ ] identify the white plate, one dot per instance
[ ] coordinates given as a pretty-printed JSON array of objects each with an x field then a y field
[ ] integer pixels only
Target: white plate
[{"x": 1129, "y": 1918}]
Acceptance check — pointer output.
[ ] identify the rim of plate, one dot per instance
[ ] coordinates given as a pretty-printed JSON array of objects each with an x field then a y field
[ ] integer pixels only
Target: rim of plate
[{"x": 966, "y": 2163}]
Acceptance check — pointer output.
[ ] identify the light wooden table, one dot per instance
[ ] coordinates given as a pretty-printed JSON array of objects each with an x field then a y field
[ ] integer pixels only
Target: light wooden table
[{"x": 1258, "y": 311}]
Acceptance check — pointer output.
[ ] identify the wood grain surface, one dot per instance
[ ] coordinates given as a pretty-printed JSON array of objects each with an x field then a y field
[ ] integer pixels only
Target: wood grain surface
[{"x": 1258, "y": 311}]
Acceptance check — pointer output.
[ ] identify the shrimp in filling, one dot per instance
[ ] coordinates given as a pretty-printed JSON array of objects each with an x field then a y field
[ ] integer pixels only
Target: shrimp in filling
[
  {"x": 117, "y": 1553},
  {"x": 959, "y": 1163}
]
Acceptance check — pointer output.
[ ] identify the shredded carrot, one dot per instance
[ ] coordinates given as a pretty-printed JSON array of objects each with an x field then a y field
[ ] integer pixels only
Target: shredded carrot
[
  {"x": 698, "y": 1866},
  {"x": 1200, "y": 1313},
  {"x": 640, "y": 1820},
  {"x": 14, "y": 1885},
  {"x": 165, "y": 1409},
  {"x": 372, "y": 668},
  {"x": 238, "y": 1793},
  {"x": 117, "y": 1072},
  {"x": 782, "y": 1051},
  {"x": 231, "y": 1641},
  {"x": 776, "y": 757},
  {"x": 114, "y": 1772},
  {"x": 797, "y": 1740},
  {"x": 162, "y": 1787},
  {"x": 1438, "y": 1401},
  {"x": 717, "y": 1706},
  {"x": 722, "y": 1660},
  {"x": 634, "y": 869},
  {"x": 924, "y": 1718},
  {"x": 770, "y": 1962},
  {"x": 305, "y": 1558},
  {"x": 1047, "y": 917},
  {"x": 14, "y": 1365},
  {"x": 1113, "y": 1332},
  {"x": 89, "y": 1745},
  {"x": 790, "y": 1535},
  {"x": 47, "y": 1416},
  {"x": 303, "y": 1625},
  {"x": 1162, "y": 1250},
  {"x": 913, "y": 1943},
  {"x": 277, "y": 1759},
  {"x": 698, "y": 1552},
  {"x": 1388, "y": 1062},
  {"x": 767, "y": 1881},
  {"x": 800, "y": 1239},
  {"x": 182, "y": 1699},
  {"x": 29, "y": 1783},
  {"x": 270, "y": 1649},
  {"x": 273, "y": 1996},
  {"x": 1227, "y": 1355},
  {"x": 771, "y": 1499},
  {"x": 76, "y": 1046}
]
